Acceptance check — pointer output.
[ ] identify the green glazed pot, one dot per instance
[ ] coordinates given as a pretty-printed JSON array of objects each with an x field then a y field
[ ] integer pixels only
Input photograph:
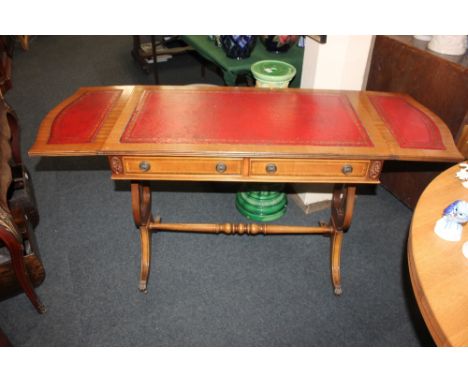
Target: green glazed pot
[{"x": 263, "y": 206}]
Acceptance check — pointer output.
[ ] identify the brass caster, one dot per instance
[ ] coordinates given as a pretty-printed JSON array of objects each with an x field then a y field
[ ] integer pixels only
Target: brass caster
[
  {"x": 142, "y": 287},
  {"x": 41, "y": 308}
]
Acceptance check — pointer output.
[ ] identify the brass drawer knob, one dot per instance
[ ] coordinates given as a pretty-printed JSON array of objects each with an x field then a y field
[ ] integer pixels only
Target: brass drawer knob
[
  {"x": 144, "y": 166},
  {"x": 347, "y": 169},
  {"x": 221, "y": 167},
  {"x": 271, "y": 168}
]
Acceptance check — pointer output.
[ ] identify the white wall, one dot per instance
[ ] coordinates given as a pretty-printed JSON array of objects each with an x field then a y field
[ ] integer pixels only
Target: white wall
[{"x": 341, "y": 63}]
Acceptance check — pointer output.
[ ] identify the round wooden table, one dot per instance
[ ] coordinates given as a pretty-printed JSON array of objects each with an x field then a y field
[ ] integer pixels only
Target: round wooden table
[{"x": 438, "y": 269}]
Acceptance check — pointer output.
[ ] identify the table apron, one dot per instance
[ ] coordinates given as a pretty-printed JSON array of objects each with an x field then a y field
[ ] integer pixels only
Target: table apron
[{"x": 262, "y": 170}]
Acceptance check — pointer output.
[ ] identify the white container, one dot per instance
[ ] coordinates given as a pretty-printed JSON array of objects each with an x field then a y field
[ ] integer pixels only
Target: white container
[
  {"x": 423, "y": 37},
  {"x": 451, "y": 45}
]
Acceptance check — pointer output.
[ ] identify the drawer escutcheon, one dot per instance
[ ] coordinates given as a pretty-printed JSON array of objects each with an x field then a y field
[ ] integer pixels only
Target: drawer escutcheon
[
  {"x": 347, "y": 169},
  {"x": 221, "y": 167},
  {"x": 144, "y": 166},
  {"x": 271, "y": 168}
]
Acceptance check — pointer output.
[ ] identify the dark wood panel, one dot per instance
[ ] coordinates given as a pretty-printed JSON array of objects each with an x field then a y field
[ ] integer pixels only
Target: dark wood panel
[{"x": 402, "y": 64}]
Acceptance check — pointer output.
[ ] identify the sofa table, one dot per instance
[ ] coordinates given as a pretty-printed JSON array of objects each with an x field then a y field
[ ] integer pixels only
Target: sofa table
[{"x": 232, "y": 134}]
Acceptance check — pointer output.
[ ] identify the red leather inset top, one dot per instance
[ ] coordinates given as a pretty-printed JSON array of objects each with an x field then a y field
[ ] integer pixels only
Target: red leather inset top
[
  {"x": 411, "y": 128},
  {"x": 243, "y": 117},
  {"x": 80, "y": 121}
]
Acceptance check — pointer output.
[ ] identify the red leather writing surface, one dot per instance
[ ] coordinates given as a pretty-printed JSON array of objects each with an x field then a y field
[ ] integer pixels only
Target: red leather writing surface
[
  {"x": 409, "y": 125},
  {"x": 245, "y": 117},
  {"x": 80, "y": 121}
]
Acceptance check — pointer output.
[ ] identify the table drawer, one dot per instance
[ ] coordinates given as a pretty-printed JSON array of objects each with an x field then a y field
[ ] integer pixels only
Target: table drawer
[
  {"x": 180, "y": 166},
  {"x": 310, "y": 168}
]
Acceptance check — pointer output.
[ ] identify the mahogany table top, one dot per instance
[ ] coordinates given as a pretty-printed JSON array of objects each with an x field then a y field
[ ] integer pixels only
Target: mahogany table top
[
  {"x": 438, "y": 269},
  {"x": 239, "y": 122}
]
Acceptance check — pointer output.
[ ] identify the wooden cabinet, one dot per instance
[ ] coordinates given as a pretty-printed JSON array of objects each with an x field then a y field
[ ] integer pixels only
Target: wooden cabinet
[{"x": 439, "y": 82}]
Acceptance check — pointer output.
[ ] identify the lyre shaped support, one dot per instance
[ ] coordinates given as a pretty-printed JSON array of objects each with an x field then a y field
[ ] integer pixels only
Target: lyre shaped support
[{"x": 341, "y": 214}]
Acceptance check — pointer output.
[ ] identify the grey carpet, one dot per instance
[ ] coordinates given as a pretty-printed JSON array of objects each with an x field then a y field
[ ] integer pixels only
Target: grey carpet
[{"x": 204, "y": 290}]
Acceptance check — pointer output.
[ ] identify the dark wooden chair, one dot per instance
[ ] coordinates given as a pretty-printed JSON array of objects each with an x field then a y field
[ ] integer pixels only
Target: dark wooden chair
[
  {"x": 7, "y": 44},
  {"x": 21, "y": 268}
]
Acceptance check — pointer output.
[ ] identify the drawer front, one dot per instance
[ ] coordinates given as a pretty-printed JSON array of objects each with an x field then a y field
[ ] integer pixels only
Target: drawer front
[
  {"x": 180, "y": 166},
  {"x": 310, "y": 168}
]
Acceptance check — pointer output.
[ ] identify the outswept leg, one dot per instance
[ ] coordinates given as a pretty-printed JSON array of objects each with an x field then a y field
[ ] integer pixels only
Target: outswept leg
[
  {"x": 141, "y": 206},
  {"x": 341, "y": 215},
  {"x": 145, "y": 237},
  {"x": 336, "y": 240}
]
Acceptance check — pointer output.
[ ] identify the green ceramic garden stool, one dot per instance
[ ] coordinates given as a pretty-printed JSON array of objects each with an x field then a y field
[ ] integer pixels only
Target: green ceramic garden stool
[
  {"x": 263, "y": 205},
  {"x": 267, "y": 202}
]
